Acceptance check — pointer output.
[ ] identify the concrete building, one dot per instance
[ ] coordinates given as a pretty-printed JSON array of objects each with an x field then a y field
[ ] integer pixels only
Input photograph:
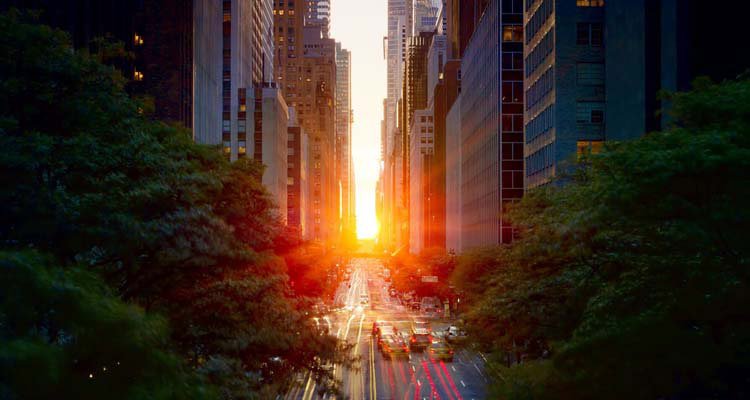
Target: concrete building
[
  {"x": 319, "y": 15},
  {"x": 491, "y": 125},
  {"x": 400, "y": 25},
  {"x": 453, "y": 198},
  {"x": 344, "y": 140},
  {"x": 298, "y": 188},
  {"x": 271, "y": 117},
  {"x": 244, "y": 57},
  {"x": 305, "y": 67},
  {"x": 414, "y": 97},
  {"x": 421, "y": 192},
  {"x": 316, "y": 110}
]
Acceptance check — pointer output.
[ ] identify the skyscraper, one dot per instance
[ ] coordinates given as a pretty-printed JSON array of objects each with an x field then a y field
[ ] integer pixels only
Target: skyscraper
[
  {"x": 492, "y": 124},
  {"x": 319, "y": 14},
  {"x": 344, "y": 138},
  {"x": 400, "y": 26},
  {"x": 594, "y": 70}
]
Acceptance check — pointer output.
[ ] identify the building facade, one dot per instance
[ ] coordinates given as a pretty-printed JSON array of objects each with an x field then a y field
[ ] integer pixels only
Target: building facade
[
  {"x": 298, "y": 188},
  {"x": 422, "y": 198},
  {"x": 344, "y": 140},
  {"x": 492, "y": 125},
  {"x": 319, "y": 15},
  {"x": 271, "y": 116}
]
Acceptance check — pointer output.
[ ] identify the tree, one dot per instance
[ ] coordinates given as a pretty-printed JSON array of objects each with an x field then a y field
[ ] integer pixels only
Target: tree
[
  {"x": 64, "y": 335},
  {"x": 170, "y": 225},
  {"x": 631, "y": 279}
]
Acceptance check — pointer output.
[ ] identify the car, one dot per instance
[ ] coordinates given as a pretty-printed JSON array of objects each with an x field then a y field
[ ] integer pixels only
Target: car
[
  {"x": 377, "y": 326},
  {"x": 393, "y": 346},
  {"x": 419, "y": 341},
  {"x": 364, "y": 299},
  {"x": 420, "y": 326},
  {"x": 454, "y": 334},
  {"x": 440, "y": 350}
]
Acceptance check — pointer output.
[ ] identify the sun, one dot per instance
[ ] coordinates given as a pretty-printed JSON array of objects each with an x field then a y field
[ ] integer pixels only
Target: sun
[{"x": 367, "y": 226}]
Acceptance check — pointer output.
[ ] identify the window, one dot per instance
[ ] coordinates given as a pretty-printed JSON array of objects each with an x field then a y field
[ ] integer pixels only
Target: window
[
  {"x": 590, "y": 112},
  {"x": 242, "y": 147},
  {"x": 589, "y": 34},
  {"x": 290, "y": 180},
  {"x": 590, "y": 74},
  {"x": 590, "y": 3},
  {"x": 588, "y": 147},
  {"x": 512, "y": 33},
  {"x": 290, "y": 151}
]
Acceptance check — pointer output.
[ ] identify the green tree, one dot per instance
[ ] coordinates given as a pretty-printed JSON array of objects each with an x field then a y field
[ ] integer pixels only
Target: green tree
[
  {"x": 631, "y": 279},
  {"x": 170, "y": 225},
  {"x": 64, "y": 335}
]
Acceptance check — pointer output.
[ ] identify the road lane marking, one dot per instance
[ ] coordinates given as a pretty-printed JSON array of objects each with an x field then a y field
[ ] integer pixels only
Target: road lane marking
[{"x": 462, "y": 383}]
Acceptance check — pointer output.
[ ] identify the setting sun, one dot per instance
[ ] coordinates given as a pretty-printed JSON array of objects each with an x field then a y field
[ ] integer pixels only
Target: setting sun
[{"x": 359, "y": 25}]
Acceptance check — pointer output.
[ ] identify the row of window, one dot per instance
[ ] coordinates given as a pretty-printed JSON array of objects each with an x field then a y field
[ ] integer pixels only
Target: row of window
[
  {"x": 540, "y": 88},
  {"x": 539, "y": 18},
  {"x": 589, "y": 34},
  {"x": 590, "y": 3},
  {"x": 590, "y": 112},
  {"x": 541, "y": 123},
  {"x": 512, "y": 60},
  {"x": 540, "y": 52},
  {"x": 590, "y": 74},
  {"x": 540, "y": 160},
  {"x": 512, "y": 7}
]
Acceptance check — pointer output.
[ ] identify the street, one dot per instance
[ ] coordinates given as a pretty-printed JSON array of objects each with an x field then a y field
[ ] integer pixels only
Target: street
[{"x": 415, "y": 376}]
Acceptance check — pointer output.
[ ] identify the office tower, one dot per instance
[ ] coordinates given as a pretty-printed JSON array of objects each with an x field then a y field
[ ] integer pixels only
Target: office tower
[
  {"x": 166, "y": 50},
  {"x": 414, "y": 98},
  {"x": 594, "y": 70},
  {"x": 305, "y": 67},
  {"x": 425, "y": 16},
  {"x": 344, "y": 138},
  {"x": 421, "y": 156},
  {"x": 453, "y": 226},
  {"x": 462, "y": 17},
  {"x": 319, "y": 14},
  {"x": 316, "y": 107},
  {"x": 491, "y": 125},
  {"x": 298, "y": 204},
  {"x": 269, "y": 133},
  {"x": 400, "y": 25}
]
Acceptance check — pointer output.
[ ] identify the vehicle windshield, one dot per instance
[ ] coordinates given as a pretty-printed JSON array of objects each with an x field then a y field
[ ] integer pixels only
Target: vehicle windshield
[{"x": 386, "y": 330}]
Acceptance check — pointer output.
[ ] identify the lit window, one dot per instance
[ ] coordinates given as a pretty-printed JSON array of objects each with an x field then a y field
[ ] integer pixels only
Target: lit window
[
  {"x": 242, "y": 147},
  {"x": 512, "y": 33},
  {"x": 585, "y": 148},
  {"x": 590, "y": 3},
  {"x": 137, "y": 40},
  {"x": 137, "y": 75}
]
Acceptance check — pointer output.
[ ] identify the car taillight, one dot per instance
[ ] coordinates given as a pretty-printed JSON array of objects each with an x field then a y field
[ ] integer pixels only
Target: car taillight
[{"x": 450, "y": 351}]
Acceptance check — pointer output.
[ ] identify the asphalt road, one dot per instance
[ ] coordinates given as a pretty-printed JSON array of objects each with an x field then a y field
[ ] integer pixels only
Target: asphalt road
[{"x": 374, "y": 377}]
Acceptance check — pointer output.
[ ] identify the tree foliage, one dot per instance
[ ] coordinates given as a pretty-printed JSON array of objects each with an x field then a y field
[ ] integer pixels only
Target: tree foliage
[
  {"x": 630, "y": 280},
  {"x": 91, "y": 180}
]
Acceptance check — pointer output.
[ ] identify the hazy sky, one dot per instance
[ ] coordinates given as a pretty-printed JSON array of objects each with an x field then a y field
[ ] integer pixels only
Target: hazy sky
[{"x": 360, "y": 26}]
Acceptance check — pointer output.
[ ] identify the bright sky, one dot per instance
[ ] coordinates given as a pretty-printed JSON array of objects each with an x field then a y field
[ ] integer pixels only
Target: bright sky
[{"x": 360, "y": 26}]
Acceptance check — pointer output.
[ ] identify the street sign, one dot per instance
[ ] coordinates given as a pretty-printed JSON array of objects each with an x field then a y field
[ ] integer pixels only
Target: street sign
[{"x": 430, "y": 279}]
